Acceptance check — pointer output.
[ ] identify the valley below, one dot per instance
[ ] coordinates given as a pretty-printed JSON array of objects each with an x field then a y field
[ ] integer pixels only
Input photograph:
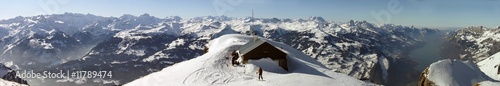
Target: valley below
[{"x": 407, "y": 71}]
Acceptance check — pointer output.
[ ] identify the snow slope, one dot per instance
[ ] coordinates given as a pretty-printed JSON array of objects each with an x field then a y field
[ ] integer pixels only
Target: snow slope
[
  {"x": 490, "y": 66},
  {"x": 456, "y": 73},
  {"x": 213, "y": 68}
]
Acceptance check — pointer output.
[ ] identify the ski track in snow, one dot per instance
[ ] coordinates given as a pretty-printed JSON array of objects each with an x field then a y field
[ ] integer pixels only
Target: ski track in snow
[{"x": 217, "y": 70}]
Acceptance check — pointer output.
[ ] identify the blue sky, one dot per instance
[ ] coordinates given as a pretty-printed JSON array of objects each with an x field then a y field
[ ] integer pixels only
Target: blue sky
[{"x": 420, "y": 13}]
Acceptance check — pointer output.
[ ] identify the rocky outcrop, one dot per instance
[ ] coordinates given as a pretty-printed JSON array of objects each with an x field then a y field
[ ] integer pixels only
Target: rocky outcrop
[
  {"x": 423, "y": 81},
  {"x": 10, "y": 75}
]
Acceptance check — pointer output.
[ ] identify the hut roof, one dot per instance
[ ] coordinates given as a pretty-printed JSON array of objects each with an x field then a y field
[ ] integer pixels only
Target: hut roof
[{"x": 250, "y": 46}]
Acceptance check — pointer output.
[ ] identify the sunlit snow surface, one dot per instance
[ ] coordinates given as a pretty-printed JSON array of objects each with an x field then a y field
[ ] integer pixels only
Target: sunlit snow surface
[
  {"x": 458, "y": 73},
  {"x": 490, "y": 66},
  {"x": 214, "y": 68}
]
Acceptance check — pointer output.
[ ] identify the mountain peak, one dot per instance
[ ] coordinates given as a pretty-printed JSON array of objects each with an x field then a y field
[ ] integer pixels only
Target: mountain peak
[
  {"x": 145, "y": 15},
  {"x": 317, "y": 18},
  {"x": 173, "y": 17},
  {"x": 351, "y": 22},
  {"x": 127, "y": 16}
]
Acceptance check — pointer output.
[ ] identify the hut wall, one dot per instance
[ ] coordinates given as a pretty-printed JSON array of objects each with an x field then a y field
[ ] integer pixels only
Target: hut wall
[{"x": 266, "y": 50}]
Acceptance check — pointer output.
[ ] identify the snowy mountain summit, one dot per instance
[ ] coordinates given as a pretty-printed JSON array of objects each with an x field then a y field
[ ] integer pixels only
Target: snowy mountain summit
[{"x": 214, "y": 68}]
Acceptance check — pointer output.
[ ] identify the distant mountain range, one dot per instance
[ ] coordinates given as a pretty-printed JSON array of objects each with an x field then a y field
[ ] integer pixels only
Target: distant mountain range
[
  {"x": 133, "y": 46},
  {"x": 474, "y": 43}
]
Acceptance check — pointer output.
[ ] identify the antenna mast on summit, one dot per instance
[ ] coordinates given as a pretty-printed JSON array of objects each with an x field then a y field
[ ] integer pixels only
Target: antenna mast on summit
[
  {"x": 251, "y": 30},
  {"x": 252, "y": 20}
]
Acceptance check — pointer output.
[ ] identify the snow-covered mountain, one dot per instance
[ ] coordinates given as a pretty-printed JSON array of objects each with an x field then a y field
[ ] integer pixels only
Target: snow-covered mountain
[
  {"x": 145, "y": 44},
  {"x": 9, "y": 77},
  {"x": 43, "y": 41},
  {"x": 455, "y": 73},
  {"x": 475, "y": 43},
  {"x": 213, "y": 68}
]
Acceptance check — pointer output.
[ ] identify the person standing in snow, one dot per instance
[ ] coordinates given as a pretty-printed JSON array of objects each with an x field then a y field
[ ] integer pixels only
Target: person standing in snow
[
  {"x": 260, "y": 74},
  {"x": 235, "y": 57}
]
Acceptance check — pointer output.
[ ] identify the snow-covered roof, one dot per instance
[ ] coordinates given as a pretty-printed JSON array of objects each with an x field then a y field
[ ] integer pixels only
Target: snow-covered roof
[{"x": 250, "y": 46}]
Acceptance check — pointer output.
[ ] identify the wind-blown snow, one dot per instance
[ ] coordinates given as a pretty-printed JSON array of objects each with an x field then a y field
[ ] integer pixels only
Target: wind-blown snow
[{"x": 213, "y": 68}]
